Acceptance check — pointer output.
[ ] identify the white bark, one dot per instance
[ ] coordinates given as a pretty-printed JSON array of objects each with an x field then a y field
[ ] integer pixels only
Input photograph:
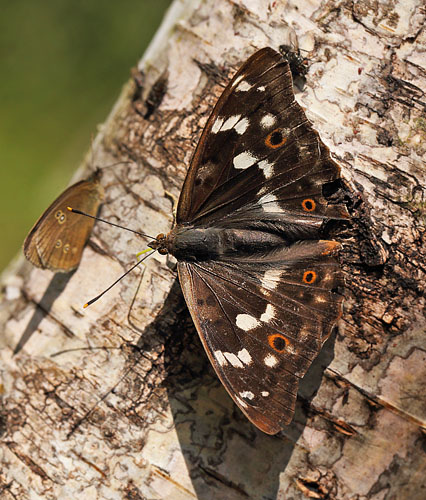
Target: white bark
[{"x": 154, "y": 422}]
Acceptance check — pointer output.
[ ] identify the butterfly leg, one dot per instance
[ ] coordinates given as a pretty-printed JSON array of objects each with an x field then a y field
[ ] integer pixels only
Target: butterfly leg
[
  {"x": 174, "y": 201},
  {"x": 171, "y": 263}
]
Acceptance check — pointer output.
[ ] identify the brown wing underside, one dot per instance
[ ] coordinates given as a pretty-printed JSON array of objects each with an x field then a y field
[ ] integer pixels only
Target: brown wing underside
[{"x": 57, "y": 240}]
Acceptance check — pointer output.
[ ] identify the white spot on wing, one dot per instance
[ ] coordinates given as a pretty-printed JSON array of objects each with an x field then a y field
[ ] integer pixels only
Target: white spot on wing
[
  {"x": 268, "y": 314},
  {"x": 268, "y": 121},
  {"x": 270, "y": 360},
  {"x": 245, "y": 357},
  {"x": 241, "y": 126},
  {"x": 269, "y": 203},
  {"x": 233, "y": 122},
  {"x": 220, "y": 358},
  {"x": 247, "y": 394},
  {"x": 241, "y": 402},
  {"x": 271, "y": 278},
  {"x": 235, "y": 362},
  {"x": 217, "y": 125},
  {"x": 268, "y": 169},
  {"x": 289, "y": 348},
  {"x": 265, "y": 394},
  {"x": 261, "y": 88},
  {"x": 230, "y": 122},
  {"x": 244, "y": 160},
  {"x": 243, "y": 86},
  {"x": 246, "y": 322},
  {"x": 238, "y": 80}
]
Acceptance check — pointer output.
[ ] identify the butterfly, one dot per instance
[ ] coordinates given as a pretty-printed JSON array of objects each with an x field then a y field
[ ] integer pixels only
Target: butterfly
[
  {"x": 262, "y": 287},
  {"x": 57, "y": 239}
]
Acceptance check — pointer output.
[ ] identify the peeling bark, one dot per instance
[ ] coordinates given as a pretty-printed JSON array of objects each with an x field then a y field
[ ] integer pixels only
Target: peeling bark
[{"x": 118, "y": 400}]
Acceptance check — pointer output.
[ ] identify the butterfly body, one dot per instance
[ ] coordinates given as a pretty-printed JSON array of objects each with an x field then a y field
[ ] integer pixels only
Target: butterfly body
[
  {"x": 262, "y": 285},
  {"x": 199, "y": 244}
]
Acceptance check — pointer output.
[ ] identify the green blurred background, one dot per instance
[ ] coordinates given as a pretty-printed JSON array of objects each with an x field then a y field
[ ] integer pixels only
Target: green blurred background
[{"x": 63, "y": 64}]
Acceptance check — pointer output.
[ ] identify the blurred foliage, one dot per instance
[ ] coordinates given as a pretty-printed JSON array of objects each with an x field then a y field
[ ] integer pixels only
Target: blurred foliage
[{"x": 63, "y": 65}]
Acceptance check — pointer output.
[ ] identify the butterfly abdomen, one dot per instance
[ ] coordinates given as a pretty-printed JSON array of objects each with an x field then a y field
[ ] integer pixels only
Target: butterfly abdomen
[{"x": 200, "y": 244}]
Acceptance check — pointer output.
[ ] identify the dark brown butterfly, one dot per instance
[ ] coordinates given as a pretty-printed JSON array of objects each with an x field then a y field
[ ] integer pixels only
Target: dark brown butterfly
[
  {"x": 57, "y": 240},
  {"x": 260, "y": 283}
]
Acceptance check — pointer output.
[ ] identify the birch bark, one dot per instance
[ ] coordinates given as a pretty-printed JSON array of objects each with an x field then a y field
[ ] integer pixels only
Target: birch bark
[{"x": 119, "y": 400}]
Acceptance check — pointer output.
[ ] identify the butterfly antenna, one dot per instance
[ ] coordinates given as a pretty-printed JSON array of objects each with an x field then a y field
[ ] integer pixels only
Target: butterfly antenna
[
  {"x": 79, "y": 212},
  {"x": 119, "y": 279}
]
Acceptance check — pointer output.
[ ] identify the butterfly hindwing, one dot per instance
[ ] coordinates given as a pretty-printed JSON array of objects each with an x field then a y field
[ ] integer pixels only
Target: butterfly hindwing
[
  {"x": 223, "y": 347},
  {"x": 263, "y": 322}
]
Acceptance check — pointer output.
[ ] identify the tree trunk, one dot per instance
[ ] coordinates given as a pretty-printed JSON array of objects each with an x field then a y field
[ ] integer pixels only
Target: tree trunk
[{"x": 119, "y": 400}]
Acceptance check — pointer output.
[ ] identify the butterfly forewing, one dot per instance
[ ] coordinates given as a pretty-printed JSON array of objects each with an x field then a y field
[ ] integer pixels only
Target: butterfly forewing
[
  {"x": 57, "y": 240},
  {"x": 258, "y": 152}
]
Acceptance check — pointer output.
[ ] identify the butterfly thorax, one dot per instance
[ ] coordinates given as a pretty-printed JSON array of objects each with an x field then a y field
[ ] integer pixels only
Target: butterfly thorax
[{"x": 188, "y": 243}]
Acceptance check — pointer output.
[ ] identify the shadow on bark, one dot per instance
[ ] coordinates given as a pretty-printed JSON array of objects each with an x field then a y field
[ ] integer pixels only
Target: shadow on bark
[
  {"x": 56, "y": 286},
  {"x": 226, "y": 456}
]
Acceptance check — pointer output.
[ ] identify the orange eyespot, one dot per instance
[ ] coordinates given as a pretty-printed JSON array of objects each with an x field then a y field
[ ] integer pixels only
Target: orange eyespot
[
  {"x": 309, "y": 277},
  {"x": 308, "y": 205},
  {"x": 278, "y": 342},
  {"x": 275, "y": 139}
]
